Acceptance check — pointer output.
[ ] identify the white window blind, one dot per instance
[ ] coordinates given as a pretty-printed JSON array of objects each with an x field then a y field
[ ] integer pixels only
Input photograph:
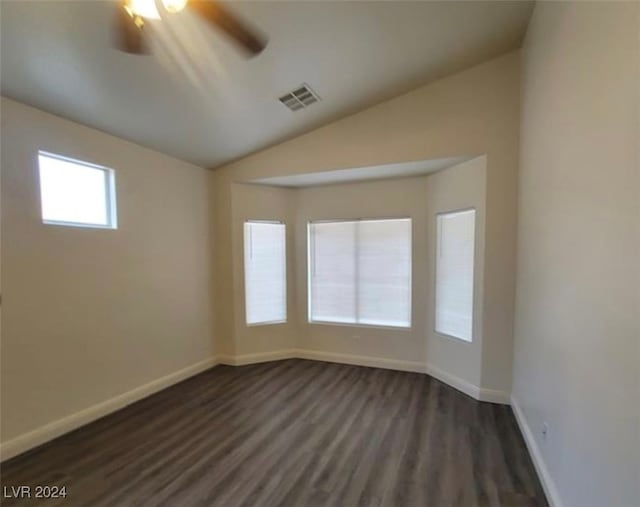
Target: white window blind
[
  {"x": 360, "y": 272},
  {"x": 76, "y": 193},
  {"x": 265, "y": 272},
  {"x": 454, "y": 273}
]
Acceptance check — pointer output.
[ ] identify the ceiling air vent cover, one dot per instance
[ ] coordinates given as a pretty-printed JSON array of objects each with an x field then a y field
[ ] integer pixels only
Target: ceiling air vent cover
[{"x": 299, "y": 98}]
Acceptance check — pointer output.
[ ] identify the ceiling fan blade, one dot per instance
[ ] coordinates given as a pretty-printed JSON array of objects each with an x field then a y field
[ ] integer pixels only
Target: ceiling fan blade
[
  {"x": 218, "y": 15},
  {"x": 128, "y": 37}
]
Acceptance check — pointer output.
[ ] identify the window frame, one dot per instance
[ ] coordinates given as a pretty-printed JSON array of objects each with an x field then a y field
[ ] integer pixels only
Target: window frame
[
  {"x": 408, "y": 328},
  {"x": 435, "y": 275},
  {"x": 244, "y": 269},
  {"x": 109, "y": 193}
]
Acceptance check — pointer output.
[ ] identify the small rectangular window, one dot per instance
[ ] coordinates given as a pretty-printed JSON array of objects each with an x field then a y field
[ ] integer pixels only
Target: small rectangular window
[
  {"x": 454, "y": 273},
  {"x": 360, "y": 272},
  {"x": 76, "y": 193},
  {"x": 265, "y": 279}
]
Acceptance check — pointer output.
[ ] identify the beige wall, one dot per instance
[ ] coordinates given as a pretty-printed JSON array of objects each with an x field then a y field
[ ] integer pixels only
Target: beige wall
[
  {"x": 474, "y": 112},
  {"x": 261, "y": 203},
  {"x": 406, "y": 197},
  {"x": 89, "y": 314},
  {"x": 460, "y": 187},
  {"x": 577, "y": 335},
  {"x": 420, "y": 198}
]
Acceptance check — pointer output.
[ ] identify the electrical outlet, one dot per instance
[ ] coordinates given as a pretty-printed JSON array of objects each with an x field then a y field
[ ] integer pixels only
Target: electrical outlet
[{"x": 545, "y": 431}]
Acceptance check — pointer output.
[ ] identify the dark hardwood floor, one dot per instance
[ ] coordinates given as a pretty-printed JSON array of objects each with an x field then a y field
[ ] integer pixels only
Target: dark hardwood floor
[{"x": 291, "y": 433}]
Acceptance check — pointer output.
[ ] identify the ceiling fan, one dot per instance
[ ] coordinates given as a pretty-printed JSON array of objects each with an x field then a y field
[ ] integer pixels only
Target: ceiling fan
[{"x": 132, "y": 16}]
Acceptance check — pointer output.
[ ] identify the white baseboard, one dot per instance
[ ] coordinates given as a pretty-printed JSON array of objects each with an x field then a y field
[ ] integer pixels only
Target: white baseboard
[
  {"x": 474, "y": 391},
  {"x": 548, "y": 484},
  {"x": 373, "y": 362},
  {"x": 494, "y": 396},
  {"x": 456, "y": 382},
  {"x": 260, "y": 357},
  {"x": 71, "y": 422}
]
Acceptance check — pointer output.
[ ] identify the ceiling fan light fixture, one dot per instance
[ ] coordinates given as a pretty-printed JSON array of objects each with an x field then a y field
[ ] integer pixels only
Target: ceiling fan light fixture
[
  {"x": 174, "y": 6},
  {"x": 132, "y": 15},
  {"x": 143, "y": 8}
]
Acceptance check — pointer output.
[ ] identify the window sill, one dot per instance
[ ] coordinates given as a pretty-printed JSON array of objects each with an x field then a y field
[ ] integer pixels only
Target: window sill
[
  {"x": 365, "y": 326},
  {"x": 79, "y": 225},
  {"x": 451, "y": 337},
  {"x": 268, "y": 323}
]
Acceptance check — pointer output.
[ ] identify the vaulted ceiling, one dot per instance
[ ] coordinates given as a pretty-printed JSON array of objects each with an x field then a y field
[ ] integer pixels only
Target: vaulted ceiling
[{"x": 200, "y": 99}]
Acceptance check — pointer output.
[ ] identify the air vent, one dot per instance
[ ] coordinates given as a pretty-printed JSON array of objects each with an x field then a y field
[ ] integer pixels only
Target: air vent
[{"x": 299, "y": 98}]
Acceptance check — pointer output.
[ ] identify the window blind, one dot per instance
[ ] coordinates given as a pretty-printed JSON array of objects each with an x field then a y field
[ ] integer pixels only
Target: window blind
[
  {"x": 360, "y": 272},
  {"x": 454, "y": 273},
  {"x": 332, "y": 272},
  {"x": 265, "y": 272}
]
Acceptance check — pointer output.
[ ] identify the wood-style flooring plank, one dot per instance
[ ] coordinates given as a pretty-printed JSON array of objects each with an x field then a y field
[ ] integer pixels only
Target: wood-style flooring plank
[{"x": 290, "y": 433}]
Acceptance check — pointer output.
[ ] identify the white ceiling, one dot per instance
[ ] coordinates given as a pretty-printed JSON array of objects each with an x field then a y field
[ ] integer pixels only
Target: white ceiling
[
  {"x": 197, "y": 98},
  {"x": 379, "y": 172}
]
